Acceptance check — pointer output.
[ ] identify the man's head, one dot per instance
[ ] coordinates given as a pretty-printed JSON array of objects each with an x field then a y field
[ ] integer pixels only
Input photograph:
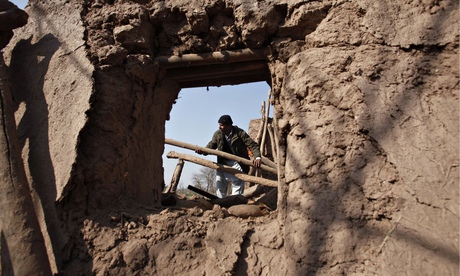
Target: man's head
[
  {"x": 225, "y": 120},
  {"x": 225, "y": 124}
]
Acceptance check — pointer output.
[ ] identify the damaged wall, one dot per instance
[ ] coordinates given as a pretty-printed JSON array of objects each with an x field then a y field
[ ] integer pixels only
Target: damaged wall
[{"x": 366, "y": 107}]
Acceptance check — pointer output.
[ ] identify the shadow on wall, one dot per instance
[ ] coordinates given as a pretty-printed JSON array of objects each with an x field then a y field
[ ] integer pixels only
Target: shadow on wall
[
  {"x": 329, "y": 205},
  {"x": 5, "y": 260},
  {"x": 30, "y": 62}
]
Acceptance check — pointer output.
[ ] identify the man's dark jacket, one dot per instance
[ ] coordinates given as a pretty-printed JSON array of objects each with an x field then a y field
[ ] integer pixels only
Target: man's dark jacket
[{"x": 239, "y": 145}]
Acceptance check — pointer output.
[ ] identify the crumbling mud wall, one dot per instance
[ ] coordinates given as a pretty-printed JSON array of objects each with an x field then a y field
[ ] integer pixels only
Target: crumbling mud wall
[
  {"x": 364, "y": 167},
  {"x": 366, "y": 112},
  {"x": 371, "y": 169}
]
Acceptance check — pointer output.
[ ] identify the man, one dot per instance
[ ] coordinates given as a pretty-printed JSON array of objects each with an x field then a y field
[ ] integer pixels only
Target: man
[{"x": 232, "y": 139}]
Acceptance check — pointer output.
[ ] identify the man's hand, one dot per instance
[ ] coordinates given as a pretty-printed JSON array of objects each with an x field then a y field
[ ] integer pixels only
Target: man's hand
[
  {"x": 256, "y": 162},
  {"x": 199, "y": 151}
]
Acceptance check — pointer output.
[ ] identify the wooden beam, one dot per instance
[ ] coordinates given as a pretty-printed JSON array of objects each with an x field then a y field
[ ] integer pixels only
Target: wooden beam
[
  {"x": 227, "y": 169},
  {"x": 225, "y": 56},
  {"x": 272, "y": 142},
  {"x": 220, "y": 74},
  {"x": 269, "y": 162},
  {"x": 216, "y": 71},
  {"x": 176, "y": 177},
  {"x": 225, "y": 80},
  {"x": 219, "y": 153}
]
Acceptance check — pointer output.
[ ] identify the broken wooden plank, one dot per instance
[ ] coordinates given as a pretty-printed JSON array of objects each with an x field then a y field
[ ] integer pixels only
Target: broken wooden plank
[
  {"x": 176, "y": 177},
  {"x": 219, "y": 153},
  {"x": 241, "y": 175}
]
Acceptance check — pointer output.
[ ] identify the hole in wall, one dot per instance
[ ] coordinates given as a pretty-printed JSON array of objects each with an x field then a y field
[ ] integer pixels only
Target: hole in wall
[{"x": 193, "y": 119}]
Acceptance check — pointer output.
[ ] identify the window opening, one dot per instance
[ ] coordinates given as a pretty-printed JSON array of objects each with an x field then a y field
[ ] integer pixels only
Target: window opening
[{"x": 193, "y": 120}]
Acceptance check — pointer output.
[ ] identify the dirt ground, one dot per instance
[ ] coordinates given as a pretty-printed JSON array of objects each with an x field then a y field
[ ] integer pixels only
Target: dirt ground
[{"x": 184, "y": 238}]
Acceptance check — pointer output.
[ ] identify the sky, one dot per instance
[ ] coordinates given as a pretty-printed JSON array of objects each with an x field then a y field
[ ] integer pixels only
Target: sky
[
  {"x": 193, "y": 118},
  {"x": 20, "y": 3}
]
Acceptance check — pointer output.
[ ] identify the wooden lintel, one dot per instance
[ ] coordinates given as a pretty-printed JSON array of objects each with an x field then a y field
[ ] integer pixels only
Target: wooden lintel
[
  {"x": 235, "y": 77},
  {"x": 226, "y": 80},
  {"x": 211, "y": 71},
  {"x": 225, "y": 56}
]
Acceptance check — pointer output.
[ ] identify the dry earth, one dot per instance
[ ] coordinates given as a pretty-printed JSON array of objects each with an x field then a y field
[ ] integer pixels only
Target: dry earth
[{"x": 366, "y": 117}]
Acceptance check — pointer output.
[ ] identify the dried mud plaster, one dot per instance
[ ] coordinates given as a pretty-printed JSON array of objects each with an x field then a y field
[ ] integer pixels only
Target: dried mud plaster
[{"x": 366, "y": 115}]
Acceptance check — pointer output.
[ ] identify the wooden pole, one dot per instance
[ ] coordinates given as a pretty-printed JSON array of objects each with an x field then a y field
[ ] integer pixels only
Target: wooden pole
[
  {"x": 261, "y": 125},
  {"x": 225, "y": 56},
  {"x": 241, "y": 175},
  {"x": 264, "y": 132},
  {"x": 272, "y": 141},
  {"x": 269, "y": 162},
  {"x": 176, "y": 177},
  {"x": 278, "y": 150},
  {"x": 256, "y": 172},
  {"x": 219, "y": 153}
]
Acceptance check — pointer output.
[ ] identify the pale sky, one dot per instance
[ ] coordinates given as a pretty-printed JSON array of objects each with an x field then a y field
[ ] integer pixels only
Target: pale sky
[
  {"x": 20, "y": 3},
  {"x": 194, "y": 116}
]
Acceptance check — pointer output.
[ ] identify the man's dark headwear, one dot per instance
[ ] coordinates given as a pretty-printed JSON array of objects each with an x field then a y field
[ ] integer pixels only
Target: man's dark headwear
[{"x": 225, "y": 120}]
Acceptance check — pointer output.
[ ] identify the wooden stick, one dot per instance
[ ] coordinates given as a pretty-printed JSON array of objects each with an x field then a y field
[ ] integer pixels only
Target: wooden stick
[
  {"x": 264, "y": 132},
  {"x": 176, "y": 177},
  {"x": 201, "y": 192},
  {"x": 269, "y": 162},
  {"x": 261, "y": 125},
  {"x": 241, "y": 175},
  {"x": 219, "y": 153},
  {"x": 277, "y": 144},
  {"x": 259, "y": 136},
  {"x": 272, "y": 141}
]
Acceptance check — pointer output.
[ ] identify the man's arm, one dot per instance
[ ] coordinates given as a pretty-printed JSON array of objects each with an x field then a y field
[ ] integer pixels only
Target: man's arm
[
  {"x": 211, "y": 145},
  {"x": 254, "y": 147}
]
